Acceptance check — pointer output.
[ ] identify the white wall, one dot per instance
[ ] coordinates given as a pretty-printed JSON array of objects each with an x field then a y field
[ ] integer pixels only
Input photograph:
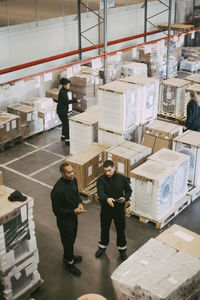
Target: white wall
[{"x": 28, "y": 42}]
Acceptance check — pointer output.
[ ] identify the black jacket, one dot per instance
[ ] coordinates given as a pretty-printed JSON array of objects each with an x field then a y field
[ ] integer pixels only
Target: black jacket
[
  {"x": 193, "y": 116},
  {"x": 65, "y": 198},
  {"x": 115, "y": 187},
  {"x": 63, "y": 102}
]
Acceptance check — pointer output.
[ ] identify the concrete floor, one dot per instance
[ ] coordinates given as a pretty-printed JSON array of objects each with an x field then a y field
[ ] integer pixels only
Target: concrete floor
[{"x": 32, "y": 168}]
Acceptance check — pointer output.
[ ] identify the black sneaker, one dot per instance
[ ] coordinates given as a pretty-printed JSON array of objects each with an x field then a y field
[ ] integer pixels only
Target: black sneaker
[
  {"x": 67, "y": 142},
  {"x": 100, "y": 252},
  {"x": 77, "y": 259},
  {"x": 123, "y": 255},
  {"x": 73, "y": 269},
  {"x": 62, "y": 138}
]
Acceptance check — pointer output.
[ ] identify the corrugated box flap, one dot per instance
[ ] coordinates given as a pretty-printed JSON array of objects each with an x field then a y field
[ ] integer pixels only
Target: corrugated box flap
[
  {"x": 176, "y": 82},
  {"x": 118, "y": 86}
]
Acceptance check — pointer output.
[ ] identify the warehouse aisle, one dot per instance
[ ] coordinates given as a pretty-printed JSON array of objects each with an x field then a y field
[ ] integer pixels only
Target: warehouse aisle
[{"x": 33, "y": 168}]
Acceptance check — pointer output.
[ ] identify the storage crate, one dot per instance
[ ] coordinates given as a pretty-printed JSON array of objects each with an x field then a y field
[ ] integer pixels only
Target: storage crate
[
  {"x": 118, "y": 106},
  {"x": 180, "y": 162},
  {"x": 172, "y": 95},
  {"x": 153, "y": 188},
  {"x": 148, "y": 96},
  {"x": 189, "y": 143}
]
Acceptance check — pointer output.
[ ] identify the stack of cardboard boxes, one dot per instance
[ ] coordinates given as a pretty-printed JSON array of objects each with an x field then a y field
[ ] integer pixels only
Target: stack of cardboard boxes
[
  {"x": 30, "y": 123},
  {"x": 10, "y": 127},
  {"x": 18, "y": 248}
]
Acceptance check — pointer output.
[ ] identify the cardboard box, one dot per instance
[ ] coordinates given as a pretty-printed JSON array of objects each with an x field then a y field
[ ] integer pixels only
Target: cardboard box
[
  {"x": 88, "y": 164},
  {"x": 10, "y": 127},
  {"x": 27, "y": 113},
  {"x": 53, "y": 93},
  {"x": 159, "y": 134},
  {"x": 181, "y": 239},
  {"x": 127, "y": 156},
  {"x": 194, "y": 78}
]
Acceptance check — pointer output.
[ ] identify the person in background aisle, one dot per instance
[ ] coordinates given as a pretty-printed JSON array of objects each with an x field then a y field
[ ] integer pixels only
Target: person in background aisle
[
  {"x": 193, "y": 113},
  {"x": 67, "y": 204},
  {"x": 113, "y": 190},
  {"x": 63, "y": 106}
]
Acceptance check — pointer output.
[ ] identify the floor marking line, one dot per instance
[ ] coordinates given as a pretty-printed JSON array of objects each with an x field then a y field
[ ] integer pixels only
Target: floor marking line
[
  {"x": 26, "y": 176},
  {"x": 46, "y": 167}
]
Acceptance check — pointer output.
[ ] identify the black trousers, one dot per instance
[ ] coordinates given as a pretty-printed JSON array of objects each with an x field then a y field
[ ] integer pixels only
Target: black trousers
[
  {"x": 118, "y": 215},
  {"x": 65, "y": 125},
  {"x": 68, "y": 233}
]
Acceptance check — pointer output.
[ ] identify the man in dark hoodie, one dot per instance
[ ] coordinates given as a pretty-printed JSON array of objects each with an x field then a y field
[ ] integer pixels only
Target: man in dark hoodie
[
  {"x": 63, "y": 106},
  {"x": 193, "y": 113},
  {"x": 113, "y": 190},
  {"x": 67, "y": 204}
]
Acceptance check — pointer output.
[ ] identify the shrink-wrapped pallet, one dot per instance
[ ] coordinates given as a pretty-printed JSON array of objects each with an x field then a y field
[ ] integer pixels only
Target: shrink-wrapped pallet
[
  {"x": 21, "y": 278},
  {"x": 153, "y": 190},
  {"x": 134, "y": 68},
  {"x": 17, "y": 230},
  {"x": 189, "y": 143},
  {"x": 83, "y": 130},
  {"x": 148, "y": 96},
  {"x": 180, "y": 162},
  {"x": 118, "y": 106},
  {"x": 173, "y": 93},
  {"x": 156, "y": 271}
]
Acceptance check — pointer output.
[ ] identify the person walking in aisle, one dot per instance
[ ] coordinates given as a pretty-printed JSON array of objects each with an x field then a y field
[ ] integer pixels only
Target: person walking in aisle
[
  {"x": 67, "y": 205},
  {"x": 113, "y": 190},
  {"x": 63, "y": 106},
  {"x": 193, "y": 113}
]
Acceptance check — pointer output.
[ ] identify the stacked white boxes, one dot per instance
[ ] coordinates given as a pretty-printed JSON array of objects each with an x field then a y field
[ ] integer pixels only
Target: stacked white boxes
[
  {"x": 190, "y": 65},
  {"x": 46, "y": 108},
  {"x": 180, "y": 162},
  {"x": 83, "y": 130},
  {"x": 156, "y": 271},
  {"x": 194, "y": 78},
  {"x": 118, "y": 109},
  {"x": 18, "y": 248},
  {"x": 134, "y": 68},
  {"x": 189, "y": 143},
  {"x": 148, "y": 96},
  {"x": 173, "y": 95},
  {"x": 127, "y": 156},
  {"x": 153, "y": 188}
]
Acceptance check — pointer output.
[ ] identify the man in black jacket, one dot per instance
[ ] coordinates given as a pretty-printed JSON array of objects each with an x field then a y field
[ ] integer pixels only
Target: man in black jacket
[
  {"x": 113, "y": 190},
  {"x": 63, "y": 106},
  {"x": 193, "y": 113},
  {"x": 67, "y": 204}
]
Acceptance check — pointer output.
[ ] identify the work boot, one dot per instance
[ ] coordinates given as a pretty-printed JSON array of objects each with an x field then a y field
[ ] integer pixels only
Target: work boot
[
  {"x": 123, "y": 255},
  {"x": 73, "y": 269},
  {"x": 77, "y": 259},
  {"x": 67, "y": 143},
  {"x": 62, "y": 138},
  {"x": 100, "y": 252}
]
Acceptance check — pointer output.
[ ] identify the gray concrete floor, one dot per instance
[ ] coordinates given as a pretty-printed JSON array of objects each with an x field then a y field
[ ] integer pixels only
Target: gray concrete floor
[{"x": 33, "y": 168}]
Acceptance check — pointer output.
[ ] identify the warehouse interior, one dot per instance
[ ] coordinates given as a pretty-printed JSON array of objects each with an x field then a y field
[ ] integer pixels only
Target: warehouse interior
[{"x": 31, "y": 165}]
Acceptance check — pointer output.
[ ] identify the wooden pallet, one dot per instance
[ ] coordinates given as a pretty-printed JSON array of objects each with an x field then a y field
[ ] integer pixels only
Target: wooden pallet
[
  {"x": 169, "y": 117},
  {"x": 180, "y": 206},
  {"x": 90, "y": 191},
  {"x": 177, "y": 27},
  {"x": 27, "y": 294},
  {"x": 11, "y": 143},
  {"x": 195, "y": 295},
  {"x": 193, "y": 192}
]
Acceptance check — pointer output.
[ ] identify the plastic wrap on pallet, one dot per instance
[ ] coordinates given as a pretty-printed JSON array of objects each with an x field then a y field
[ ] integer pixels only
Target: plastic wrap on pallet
[
  {"x": 118, "y": 106},
  {"x": 32, "y": 127},
  {"x": 180, "y": 162},
  {"x": 17, "y": 230},
  {"x": 20, "y": 278},
  {"x": 191, "y": 52},
  {"x": 173, "y": 93},
  {"x": 189, "y": 143},
  {"x": 10, "y": 127},
  {"x": 133, "y": 68},
  {"x": 173, "y": 67},
  {"x": 83, "y": 130},
  {"x": 162, "y": 273},
  {"x": 153, "y": 190},
  {"x": 113, "y": 71},
  {"x": 190, "y": 65}
]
